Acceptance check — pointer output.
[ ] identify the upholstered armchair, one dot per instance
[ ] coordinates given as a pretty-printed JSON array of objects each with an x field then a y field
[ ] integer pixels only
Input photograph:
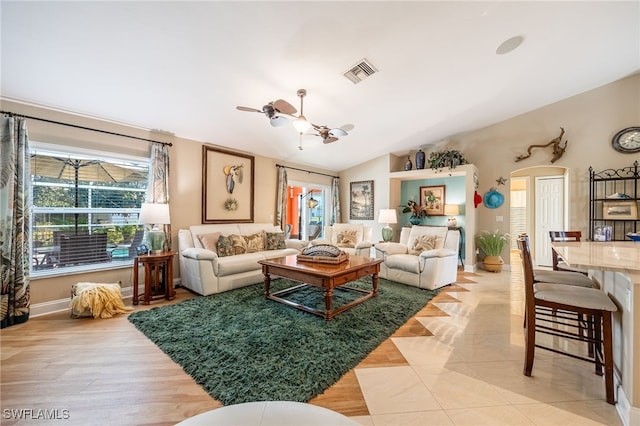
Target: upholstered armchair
[
  {"x": 352, "y": 238},
  {"x": 425, "y": 257}
]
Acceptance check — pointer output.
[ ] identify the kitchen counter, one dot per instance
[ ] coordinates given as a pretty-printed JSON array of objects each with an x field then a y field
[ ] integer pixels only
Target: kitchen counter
[{"x": 616, "y": 266}]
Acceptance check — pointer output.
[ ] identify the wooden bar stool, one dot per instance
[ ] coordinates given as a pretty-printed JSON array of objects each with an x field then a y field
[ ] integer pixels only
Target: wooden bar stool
[
  {"x": 557, "y": 309},
  {"x": 564, "y": 236}
]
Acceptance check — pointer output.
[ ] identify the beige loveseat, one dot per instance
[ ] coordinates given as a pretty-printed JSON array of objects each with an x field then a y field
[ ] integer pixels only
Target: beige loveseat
[
  {"x": 210, "y": 264},
  {"x": 352, "y": 238},
  {"x": 425, "y": 257}
]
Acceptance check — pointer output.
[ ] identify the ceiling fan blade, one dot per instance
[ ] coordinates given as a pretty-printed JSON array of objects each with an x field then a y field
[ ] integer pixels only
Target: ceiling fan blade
[
  {"x": 347, "y": 127},
  {"x": 278, "y": 121},
  {"x": 242, "y": 108},
  {"x": 337, "y": 132},
  {"x": 329, "y": 139},
  {"x": 284, "y": 107}
]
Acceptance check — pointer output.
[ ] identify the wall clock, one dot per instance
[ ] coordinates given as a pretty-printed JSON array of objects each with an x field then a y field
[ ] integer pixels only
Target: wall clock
[{"x": 627, "y": 140}]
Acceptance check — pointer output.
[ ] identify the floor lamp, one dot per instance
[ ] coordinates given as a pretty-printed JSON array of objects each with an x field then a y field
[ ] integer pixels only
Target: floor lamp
[{"x": 312, "y": 203}]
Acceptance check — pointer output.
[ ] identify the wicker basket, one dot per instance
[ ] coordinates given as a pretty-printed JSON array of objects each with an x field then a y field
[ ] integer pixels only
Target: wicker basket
[{"x": 342, "y": 257}]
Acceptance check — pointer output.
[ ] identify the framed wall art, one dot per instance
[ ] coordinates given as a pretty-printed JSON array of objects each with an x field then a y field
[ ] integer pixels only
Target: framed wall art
[
  {"x": 227, "y": 186},
  {"x": 432, "y": 199},
  {"x": 361, "y": 200},
  {"x": 625, "y": 210}
]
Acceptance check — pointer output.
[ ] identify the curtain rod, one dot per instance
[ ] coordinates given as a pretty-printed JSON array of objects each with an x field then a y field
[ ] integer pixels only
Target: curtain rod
[
  {"x": 308, "y": 171},
  {"x": 13, "y": 114}
]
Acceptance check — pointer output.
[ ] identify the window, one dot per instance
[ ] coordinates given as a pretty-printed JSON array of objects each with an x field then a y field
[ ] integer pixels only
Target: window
[{"x": 85, "y": 209}]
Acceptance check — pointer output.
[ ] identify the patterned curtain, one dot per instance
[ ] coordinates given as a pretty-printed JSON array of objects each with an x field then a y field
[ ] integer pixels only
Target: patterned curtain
[
  {"x": 281, "y": 207},
  {"x": 336, "y": 216},
  {"x": 15, "y": 218},
  {"x": 158, "y": 186}
]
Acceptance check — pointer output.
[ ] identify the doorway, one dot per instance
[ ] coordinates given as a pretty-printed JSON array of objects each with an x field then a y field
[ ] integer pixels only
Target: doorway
[
  {"x": 539, "y": 204},
  {"x": 307, "y": 210}
]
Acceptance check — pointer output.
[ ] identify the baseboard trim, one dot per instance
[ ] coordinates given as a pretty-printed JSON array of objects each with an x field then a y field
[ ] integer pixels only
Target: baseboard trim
[
  {"x": 628, "y": 414},
  {"x": 61, "y": 305}
]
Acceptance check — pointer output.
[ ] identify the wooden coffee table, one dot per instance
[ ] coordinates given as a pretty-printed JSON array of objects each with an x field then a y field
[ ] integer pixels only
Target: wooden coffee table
[{"x": 323, "y": 275}]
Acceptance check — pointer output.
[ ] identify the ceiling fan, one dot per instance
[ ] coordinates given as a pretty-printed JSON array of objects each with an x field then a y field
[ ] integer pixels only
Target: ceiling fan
[
  {"x": 275, "y": 111},
  {"x": 327, "y": 134},
  {"x": 331, "y": 135}
]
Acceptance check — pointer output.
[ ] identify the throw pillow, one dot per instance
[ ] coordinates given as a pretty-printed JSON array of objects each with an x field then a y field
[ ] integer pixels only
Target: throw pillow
[
  {"x": 239, "y": 244},
  {"x": 422, "y": 243},
  {"x": 225, "y": 246},
  {"x": 210, "y": 241},
  {"x": 347, "y": 239},
  {"x": 255, "y": 242},
  {"x": 275, "y": 241}
]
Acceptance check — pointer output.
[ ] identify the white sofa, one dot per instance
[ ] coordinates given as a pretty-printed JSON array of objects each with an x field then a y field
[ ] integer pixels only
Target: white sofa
[
  {"x": 352, "y": 238},
  {"x": 425, "y": 257},
  {"x": 204, "y": 271}
]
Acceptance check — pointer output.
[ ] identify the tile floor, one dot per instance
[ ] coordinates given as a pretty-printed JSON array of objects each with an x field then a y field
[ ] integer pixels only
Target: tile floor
[{"x": 470, "y": 371}]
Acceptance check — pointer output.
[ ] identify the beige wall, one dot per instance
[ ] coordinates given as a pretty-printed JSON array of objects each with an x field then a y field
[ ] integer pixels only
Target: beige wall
[
  {"x": 185, "y": 183},
  {"x": 590, "y": 120}
]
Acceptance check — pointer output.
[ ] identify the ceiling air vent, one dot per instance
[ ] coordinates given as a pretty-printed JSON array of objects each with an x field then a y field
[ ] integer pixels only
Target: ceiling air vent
[{"x": 360, "y": 71}]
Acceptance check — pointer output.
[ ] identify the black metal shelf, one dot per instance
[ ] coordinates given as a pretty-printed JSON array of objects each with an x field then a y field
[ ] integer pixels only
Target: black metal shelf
[{"x": 606, "y": 182}]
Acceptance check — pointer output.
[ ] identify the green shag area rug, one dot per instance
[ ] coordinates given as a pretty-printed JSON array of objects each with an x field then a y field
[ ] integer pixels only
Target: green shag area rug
[{"x": 242, "y": 347}]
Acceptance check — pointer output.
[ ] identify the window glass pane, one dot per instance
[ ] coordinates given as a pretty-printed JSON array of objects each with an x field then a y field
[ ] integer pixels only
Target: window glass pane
[{"x": 85, "y": 210}]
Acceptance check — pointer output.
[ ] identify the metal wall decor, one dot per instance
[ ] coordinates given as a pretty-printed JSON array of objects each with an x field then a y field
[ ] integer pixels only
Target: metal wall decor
[{"x": 227, "y": 186}]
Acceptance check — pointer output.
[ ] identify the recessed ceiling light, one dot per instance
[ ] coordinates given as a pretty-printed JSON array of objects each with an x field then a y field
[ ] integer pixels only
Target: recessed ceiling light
[{"x": 509, "y": 45}]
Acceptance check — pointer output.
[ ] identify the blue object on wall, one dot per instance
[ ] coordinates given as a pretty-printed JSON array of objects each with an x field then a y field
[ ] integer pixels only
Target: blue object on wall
[{"x": 493, "y": 199}]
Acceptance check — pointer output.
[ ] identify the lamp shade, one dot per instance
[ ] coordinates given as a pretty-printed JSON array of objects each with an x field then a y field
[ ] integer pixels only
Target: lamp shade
[
  {"x": 451, "y": 210},
  {"x": 388, "y": 216},
  {"x": 301, "y": 124},
  {"x": 154, "y": 214}
]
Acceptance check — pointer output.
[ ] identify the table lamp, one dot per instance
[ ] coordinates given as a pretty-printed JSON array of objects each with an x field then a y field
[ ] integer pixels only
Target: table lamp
[
  {"x": 154, "y": 214},
  {"x": 387, "y": 216},
  {"x": 452, "y": 210}
]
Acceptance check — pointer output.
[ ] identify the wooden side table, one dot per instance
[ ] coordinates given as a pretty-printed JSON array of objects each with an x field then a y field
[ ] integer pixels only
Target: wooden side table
[{"x": 158, "y": 276}]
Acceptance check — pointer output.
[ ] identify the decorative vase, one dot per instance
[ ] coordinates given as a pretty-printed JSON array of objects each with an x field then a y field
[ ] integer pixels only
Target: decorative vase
[
  {"x": 493, "y": 263},
  {"x": 408, "y": 165},
  {"x": 419, "y": 160},
  {"x": 415, "y": 220}
]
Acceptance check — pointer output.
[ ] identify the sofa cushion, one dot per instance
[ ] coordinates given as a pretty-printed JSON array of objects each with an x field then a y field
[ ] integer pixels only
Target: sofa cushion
[
  {"x": 403, "y": 262},
  {"x": 422, "y": 243},
  {"x": 347, "y": 238},
  {"x": 275, "y": 241},
  {"x": 440, "y": 233},
  {"x": 210, "y": 241},
  {"x": 347, "y": 234},
  {"x": 239, "y": 244},
  {"x": 238, "y": 264},
  {"x": 254, "y": 242},
  {"x": 225, "y": 246}
]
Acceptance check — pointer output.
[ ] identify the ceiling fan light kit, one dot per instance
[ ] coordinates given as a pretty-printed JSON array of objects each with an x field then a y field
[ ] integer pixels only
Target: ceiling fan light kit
[{"x": 273, "y": 110}]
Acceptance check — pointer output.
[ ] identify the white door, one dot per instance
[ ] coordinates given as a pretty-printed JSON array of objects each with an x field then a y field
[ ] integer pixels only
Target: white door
[{"x": 549, "y": 215}]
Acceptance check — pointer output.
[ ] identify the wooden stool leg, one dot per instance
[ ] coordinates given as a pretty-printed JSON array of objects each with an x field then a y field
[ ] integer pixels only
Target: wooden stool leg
[
  {"x": 596, "y": 334},
  {"x": 530, "y": 342},
  {"x": 608, "y": 356}
]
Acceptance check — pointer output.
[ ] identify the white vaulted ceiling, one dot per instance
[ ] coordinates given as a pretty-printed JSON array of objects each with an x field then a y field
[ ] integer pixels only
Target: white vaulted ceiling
[{"x": 183, "y": 67}]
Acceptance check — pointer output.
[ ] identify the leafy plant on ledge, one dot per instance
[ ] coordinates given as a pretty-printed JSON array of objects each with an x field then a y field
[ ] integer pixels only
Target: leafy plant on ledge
[
  {"x": 415, "y": 209},
  {"x": 446, "y": 158}
]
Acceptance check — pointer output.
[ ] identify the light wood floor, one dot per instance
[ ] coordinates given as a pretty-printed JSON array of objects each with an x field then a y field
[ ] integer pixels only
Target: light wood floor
[{"x": 107, "y": 372}]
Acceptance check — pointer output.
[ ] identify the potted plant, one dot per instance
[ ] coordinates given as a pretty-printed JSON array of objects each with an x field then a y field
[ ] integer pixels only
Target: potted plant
[
  {"x": 416, "y": 210},
  {"x": 492, "y": 244},
  {"x": 446, "y": 158}
]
